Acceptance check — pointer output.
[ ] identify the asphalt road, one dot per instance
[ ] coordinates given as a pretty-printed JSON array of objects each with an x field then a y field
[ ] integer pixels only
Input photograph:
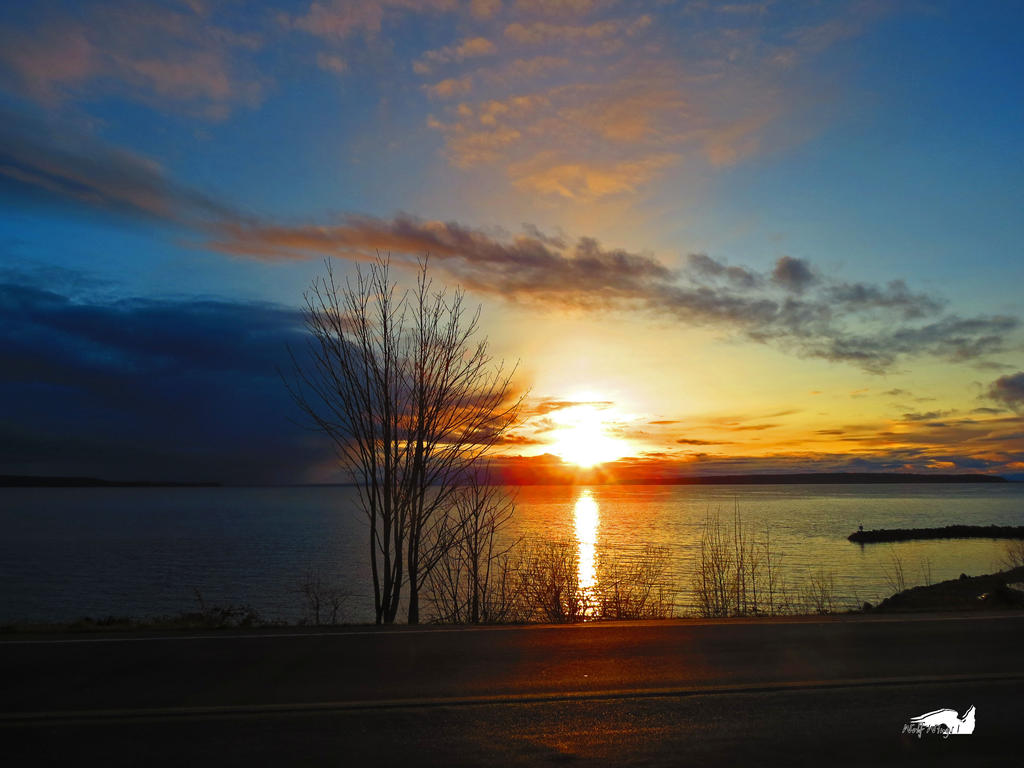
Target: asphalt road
[{"x": 667, "y": 693}]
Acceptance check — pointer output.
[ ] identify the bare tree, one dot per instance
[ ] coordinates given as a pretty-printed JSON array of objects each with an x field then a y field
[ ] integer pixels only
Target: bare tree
[
  {"x": 462, "y": 405},
  {"x": 411, "y": 402},
  {"x": 322, "y": 602},
  {"x": 474, "y": 580}
]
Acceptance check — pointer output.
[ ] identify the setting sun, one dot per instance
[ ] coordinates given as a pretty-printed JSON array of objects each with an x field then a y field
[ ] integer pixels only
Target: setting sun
[{"x": 582, "y": 438}]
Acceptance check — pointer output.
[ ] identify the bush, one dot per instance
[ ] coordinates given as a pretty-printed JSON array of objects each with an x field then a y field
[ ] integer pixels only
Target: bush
[
  {"x": 737, "y": 573},
  {"x": 549, "y": 585},
  {"x": 636, "y": 589}
]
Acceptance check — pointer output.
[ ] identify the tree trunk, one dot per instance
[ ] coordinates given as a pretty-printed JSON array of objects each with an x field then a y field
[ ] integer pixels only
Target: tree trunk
[{"x": 414, "y": 604}]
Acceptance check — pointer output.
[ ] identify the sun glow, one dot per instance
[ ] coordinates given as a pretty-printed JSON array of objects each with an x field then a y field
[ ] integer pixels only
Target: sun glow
[{"x": 582, "y": 437}]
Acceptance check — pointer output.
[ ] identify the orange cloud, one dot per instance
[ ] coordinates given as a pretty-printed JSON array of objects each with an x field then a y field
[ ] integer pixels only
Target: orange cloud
[
  {"x": 577, "y": 181},
  {"x": 151, "y": 52},
  {"x": 484, "y": 9},
  {"x": 526, "y": 69},
  {"x": 331, "y": 63},
  {"x": 580, "y": 105},
  {"x": 561, "y": 7},
  {"x": 541, "y": 32},
  {"x": 469, "y": 48},
  {"x": 339, "y": 19},
  {"x": 450, "y": 87},
  {"x": 580, "y": 142}
]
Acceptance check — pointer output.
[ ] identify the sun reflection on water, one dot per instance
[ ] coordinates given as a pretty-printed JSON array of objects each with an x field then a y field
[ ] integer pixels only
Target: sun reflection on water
[{"x": 586, "y": 519}]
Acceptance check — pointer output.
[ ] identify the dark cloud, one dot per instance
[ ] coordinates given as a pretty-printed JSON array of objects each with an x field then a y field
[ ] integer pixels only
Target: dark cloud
[
  {"x": 1009, "y": 390},
  {"x": 894, "y": 296},
  {"x": 792, "y": 274},
  {"x": 871, "y": 327},
  {"x": 927, "y": 416},
  {"x": 996, "y": 439},
  {"x": 148, "y": 389},
  {"x": 47, "y": 167},
  {"x": 949, "y": 338},
  {"x": 589, "y": 276},
  {"x": 701, "y": 265},
  {"x": 524, "y": 268},
  {"x": 554, "y": 241},
  {"x": 693, "y": 441}
]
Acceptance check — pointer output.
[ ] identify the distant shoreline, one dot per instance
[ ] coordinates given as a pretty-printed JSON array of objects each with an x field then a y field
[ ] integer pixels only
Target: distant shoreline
[
  {"x": 825, "y": 478},
  {"x": 31, "y": 481}
]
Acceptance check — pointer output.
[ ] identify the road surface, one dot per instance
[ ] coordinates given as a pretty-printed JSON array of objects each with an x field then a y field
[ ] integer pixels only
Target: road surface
[{"x": 799, "y": 692}]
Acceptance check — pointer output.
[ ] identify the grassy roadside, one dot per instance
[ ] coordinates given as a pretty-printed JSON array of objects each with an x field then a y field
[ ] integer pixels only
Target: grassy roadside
[{"x": 967, "y": 593}]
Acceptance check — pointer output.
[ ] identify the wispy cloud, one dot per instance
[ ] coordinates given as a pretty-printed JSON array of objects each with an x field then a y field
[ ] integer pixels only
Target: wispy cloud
[
  {"x": 925, "y": 416},
  {"x": 869, "y": 328},
  {"x": 581, "y": 141},
  {"x": 590, "y": 100},
  {"x": 40, "y": 164},
  {"x": 653, "y": 465},
  {"x": 450, "y": 87},
  {"x": 146, "y": 51},
  {"x": 331, "y": 63},
  {"x": 562, "y": 8},
  {"x": 544, "y": 406},
  {"x": 484, "y": 9},
  {"x": 603, "y": 36},
  {"x": 337, "y": 20},
  {"x": 793, "y": 306},
  {"x": 469, "y": 48}
]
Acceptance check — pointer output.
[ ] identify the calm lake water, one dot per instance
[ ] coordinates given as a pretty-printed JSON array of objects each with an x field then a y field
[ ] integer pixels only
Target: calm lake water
[{"x": 67, "y": 553}]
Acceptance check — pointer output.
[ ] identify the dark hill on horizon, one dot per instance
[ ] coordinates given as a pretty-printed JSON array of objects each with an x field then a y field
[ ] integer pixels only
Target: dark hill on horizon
[
  {"x": 36, "y": 481},
  {"x": 579, "y": 477},
  {"x": 828, "y": 478},
  {"x": 599, "y": 476}
]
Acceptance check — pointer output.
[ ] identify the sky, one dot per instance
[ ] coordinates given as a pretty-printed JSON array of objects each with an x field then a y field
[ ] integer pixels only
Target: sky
[{"x": 715, "y": 237}]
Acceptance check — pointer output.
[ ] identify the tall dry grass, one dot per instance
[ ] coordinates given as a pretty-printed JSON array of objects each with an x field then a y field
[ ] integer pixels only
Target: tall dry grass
[{"x": 738, "y": 571}]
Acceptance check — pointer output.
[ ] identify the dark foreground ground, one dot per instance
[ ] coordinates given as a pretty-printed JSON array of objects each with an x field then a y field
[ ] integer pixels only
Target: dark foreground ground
[
  {"x": 798, "y": 692},
  {"x": 975, "y": 593}
]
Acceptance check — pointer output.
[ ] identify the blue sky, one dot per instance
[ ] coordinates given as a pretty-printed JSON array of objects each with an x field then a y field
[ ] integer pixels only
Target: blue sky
[{"x": 685, "y": 217}]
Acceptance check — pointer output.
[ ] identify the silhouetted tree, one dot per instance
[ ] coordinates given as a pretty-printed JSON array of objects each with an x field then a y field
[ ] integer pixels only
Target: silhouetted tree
[
  {"x": 411, "y": 401},
  {"x": 474, "y": 580}
]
